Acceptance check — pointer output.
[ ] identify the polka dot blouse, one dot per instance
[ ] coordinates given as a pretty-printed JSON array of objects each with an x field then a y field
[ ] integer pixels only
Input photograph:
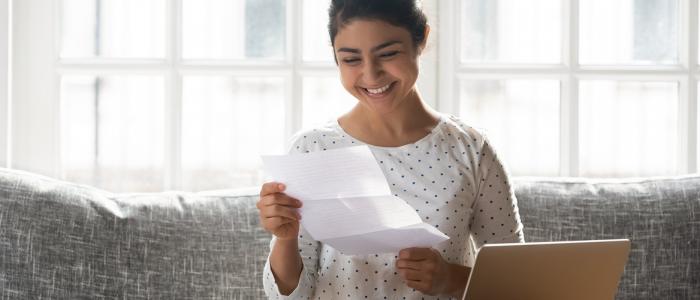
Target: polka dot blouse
[{"x": 453, "y": 179}]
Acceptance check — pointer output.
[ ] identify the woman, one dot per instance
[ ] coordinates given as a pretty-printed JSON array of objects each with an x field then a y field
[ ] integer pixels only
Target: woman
[{"x": 443, "y": 168}]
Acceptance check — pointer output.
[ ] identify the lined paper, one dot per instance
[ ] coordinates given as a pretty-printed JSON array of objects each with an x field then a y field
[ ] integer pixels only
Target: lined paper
[{"x": 348, "y": 203}]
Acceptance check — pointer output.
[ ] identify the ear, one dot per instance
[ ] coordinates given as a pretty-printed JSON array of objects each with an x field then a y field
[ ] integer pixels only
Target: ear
[{"x": 421, "y": 47}]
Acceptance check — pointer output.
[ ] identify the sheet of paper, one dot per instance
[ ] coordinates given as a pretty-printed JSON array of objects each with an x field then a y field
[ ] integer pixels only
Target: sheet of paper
[
  {"x": 334, "y": 218},
  {"x": 333, "y": 174},
  {"x": 389, "y": 241},
  {"x": 348, "y": 203}
]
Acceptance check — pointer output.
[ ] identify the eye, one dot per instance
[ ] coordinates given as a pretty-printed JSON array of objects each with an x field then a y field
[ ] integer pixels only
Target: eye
[
  {"x": 389, "y": 54},
  {"x": 351, "y": 61}
]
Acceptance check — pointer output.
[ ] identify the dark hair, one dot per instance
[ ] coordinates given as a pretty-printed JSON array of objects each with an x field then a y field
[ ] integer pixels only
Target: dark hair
[{"x": 401, "y": 13}]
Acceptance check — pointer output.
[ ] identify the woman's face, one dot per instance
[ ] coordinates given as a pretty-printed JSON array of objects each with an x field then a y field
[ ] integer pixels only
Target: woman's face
[{"x": 378, "y": 63}]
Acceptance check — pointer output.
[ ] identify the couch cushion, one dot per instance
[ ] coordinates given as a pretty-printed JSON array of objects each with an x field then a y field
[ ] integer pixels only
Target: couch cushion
[
  {"x": 61, "y": 240},
  {"x": 66, "y": 241},
  {"x": 660, "y": 216}
]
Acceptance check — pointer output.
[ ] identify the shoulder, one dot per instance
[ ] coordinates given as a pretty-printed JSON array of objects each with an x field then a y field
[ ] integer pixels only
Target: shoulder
[
  {"x": 474, "y": 140},
  {"x": 462, "y": 132},
  {"x": 316, "y": 138}
]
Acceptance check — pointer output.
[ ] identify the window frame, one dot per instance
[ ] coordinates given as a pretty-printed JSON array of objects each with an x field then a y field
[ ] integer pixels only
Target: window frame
[
  {"x": 570, "y": 73},
  {"x": 39, "y": 150},
  {"x": 5, "y": 79},
  {"x": 30, "y": 138}
]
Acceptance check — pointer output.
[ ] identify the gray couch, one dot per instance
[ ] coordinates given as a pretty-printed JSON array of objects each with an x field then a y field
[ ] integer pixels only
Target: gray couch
[{"x": 66, "y": 241}]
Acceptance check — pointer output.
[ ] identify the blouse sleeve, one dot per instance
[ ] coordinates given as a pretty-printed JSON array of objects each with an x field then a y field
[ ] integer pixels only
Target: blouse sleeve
[
  {"x": 309, "y": 249},
  {"x": 495, "y": 217}
]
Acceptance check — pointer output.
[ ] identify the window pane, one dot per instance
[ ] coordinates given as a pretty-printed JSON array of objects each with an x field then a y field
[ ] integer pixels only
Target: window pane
[
  {"x": 316, "y": 41},
  {"x": 227, "y": 122},
  {"x": 521, "y": 118},
  {"x": 638, "y": 32},
  {"x": 325, "y": 99},
  {"x": 511, "y": 31},
  {"x": 113, "y": 28},
  {"x": 628, "y": 128},
  {"x": 112, "y": 131},
  {"x": 233, "y": 29}
]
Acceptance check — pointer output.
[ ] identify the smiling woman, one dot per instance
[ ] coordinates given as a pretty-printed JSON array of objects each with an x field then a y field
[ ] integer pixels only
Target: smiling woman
[{"x": 440, "y": 166}]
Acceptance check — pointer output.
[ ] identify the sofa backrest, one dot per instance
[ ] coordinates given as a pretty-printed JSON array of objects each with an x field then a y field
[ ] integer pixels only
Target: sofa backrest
[
  {"x": 65, "y": 241},
  {"x": 62, "y": 240},
  {"x": 660, "y": 216}
]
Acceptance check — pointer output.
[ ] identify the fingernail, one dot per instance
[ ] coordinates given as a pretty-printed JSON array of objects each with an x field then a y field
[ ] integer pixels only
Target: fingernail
[{"x": 280, "y": 186}]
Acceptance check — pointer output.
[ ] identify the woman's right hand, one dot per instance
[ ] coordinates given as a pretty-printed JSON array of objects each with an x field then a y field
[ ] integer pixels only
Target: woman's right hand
[{"x": 278, "y": 212}]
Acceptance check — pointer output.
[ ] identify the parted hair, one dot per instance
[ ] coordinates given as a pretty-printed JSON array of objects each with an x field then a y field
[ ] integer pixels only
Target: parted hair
[{"x": 400, "y": 13}]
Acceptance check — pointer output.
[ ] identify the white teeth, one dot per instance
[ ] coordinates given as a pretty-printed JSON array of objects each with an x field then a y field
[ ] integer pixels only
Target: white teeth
[{"x": 379, "y": 90}]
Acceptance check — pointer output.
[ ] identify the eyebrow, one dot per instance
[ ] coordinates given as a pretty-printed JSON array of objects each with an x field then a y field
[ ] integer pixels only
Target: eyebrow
[{"x": 374, "y": 49}]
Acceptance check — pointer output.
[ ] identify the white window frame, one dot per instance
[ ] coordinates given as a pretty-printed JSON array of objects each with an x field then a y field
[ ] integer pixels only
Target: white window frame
[
  {"x": 32, "y": 129},
  {"x": 36, "y": 115},
  {"x": 570, "y": 72},
  {"x": 5, "y": 69}
]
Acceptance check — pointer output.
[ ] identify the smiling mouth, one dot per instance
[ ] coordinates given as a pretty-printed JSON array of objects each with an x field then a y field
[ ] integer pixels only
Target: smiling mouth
[{"x": 379, "y": 92}]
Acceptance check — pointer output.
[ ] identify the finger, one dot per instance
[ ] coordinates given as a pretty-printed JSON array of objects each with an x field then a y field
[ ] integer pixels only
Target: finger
[
  {"x": 408, "y": 274},
  {"x": 271, "y": 188},
  {"x": 408, "y": 264},
  {"x": 280, "y": 211},
  {"x": 280, "y": 199},
  {"x": 418, "y": 285},
  {"x": 275, "y": 222},
  {"x": 415, "y": 253}
]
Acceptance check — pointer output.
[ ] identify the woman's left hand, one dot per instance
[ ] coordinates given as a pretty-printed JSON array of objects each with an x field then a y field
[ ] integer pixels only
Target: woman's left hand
[{"x": 425, "y": 270}]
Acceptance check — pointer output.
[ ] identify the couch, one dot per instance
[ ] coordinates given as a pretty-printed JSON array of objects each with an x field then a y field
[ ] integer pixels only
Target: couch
[{"x": 60, "y": 240}]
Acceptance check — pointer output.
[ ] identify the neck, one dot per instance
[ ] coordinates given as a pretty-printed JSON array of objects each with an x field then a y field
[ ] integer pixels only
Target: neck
[{"x": 410, "y": 116}]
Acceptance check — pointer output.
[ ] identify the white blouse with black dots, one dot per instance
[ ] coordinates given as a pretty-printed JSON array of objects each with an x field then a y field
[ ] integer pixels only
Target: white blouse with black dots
[{"x": 454, "y": 180}]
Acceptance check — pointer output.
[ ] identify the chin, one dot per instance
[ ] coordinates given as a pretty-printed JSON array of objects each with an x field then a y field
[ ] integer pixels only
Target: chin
[{"x": 381, "y": 103}]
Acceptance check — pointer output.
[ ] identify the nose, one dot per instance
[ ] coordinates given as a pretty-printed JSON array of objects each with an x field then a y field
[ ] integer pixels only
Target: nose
[{"x": 372, "y": 71}]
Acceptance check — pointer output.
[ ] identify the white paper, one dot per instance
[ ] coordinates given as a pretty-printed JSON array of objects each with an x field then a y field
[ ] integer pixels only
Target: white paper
[
  {"x": 352, "y": 216},
  {"x": 333, "y": 174},
  {"x": 348, "y": 203},
  {"x": 393, "y": 240}
]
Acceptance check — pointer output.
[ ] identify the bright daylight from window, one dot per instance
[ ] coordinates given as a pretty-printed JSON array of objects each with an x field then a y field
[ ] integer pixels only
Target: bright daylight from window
[{"x": 187, "y": 94}]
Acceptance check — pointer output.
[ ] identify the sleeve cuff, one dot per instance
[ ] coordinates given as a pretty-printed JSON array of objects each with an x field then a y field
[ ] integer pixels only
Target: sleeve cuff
[{"x": 303, "y": 290}]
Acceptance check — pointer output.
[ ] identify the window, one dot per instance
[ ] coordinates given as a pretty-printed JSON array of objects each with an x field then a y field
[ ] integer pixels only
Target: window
[
  {"x": 134, "y": 95},
  {"x": 5, "y": 64},
  {"x": 147, "y": 95},
  {"x": 590, "y": 88},
  {"x": 112, "y": 130}
]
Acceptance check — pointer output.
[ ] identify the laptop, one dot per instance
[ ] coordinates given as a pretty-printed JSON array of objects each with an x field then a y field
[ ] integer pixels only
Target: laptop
[{"x": 573, "y": 270}]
